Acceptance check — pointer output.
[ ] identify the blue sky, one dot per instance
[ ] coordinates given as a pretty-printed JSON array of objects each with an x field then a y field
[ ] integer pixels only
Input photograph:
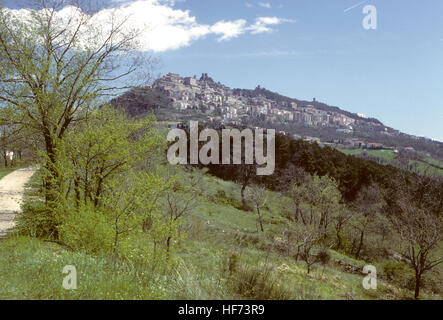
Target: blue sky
[{"x": 305, "y": 49}]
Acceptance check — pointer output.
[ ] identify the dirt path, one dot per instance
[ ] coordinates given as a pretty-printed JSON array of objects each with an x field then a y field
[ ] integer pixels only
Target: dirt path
[{"x": 12, "y": 188}]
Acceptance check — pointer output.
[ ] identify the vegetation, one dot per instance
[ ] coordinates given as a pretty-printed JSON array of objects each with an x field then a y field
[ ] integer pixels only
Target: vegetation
[
  {"x": 218, "y": 255},
  {"x": 5, "y": 171},
  {"x": 106, "y": 201}
]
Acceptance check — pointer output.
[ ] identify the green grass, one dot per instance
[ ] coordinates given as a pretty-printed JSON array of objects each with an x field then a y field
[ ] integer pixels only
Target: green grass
[
  {"x": 33, "y": 269},
  {"x": 389, "y": 157},
  {"x": 384, "y": 154},
  {"x": 212, "y": 234},
  {"x": 5, "y": 171}
]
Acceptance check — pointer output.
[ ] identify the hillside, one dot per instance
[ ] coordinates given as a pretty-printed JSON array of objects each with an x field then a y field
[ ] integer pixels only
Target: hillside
[
  {"x": 176, "y": 98},
  {"x": 259, "y": 91},
  {"x": 221, "y": 255}
]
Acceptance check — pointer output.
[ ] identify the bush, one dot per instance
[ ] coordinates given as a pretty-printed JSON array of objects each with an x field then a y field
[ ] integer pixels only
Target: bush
[
  {"x": 221, "y": 198},
  {"x": 399, "y": 273},
  {"x": 323, "y": 257},
  {"x": 139, "y": 251},
  {"x": 37, "y": 220},
  {"x": 259, "y": 283},
  {"x": 86, "y": 229}
]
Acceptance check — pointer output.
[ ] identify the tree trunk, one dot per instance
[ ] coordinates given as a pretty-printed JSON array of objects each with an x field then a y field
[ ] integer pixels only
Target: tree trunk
[
  {"x": 338, "y": 245},
  {"x": 115, "y": 242},
  {"x": 98, "y": 192},
  {"x": 77, "y": 191},
  {"x": 5, "y": 158},
  {"x": 52, "y": 173},
  {"x": 243, "y": 201},
  {"x": 360, "y": 245},
  {"x": 417, "y": 285},
  {"x": 260, "y": 220},
  {"x": 297, "y": 210},
  {"x": 168, "y": 246}
]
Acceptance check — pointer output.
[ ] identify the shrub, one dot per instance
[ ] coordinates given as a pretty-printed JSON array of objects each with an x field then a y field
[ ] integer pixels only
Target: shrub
[
  {"x": 323, "y": 257},
  {"x": 233, "y": 262},
  {"x": 259, "y": 283},
  {"x": 86, "y": 229},
  {"x": 37, "y": 220},
  {"x": 221, "y": 198},
  {"x": 399, "y": 273}
]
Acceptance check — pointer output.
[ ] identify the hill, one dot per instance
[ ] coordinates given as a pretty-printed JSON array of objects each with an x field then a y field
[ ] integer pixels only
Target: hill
[
  {"x": 176, "y": 98},
  {"x": 260, "y": 91},
  {"x": 221, "y": 255}
]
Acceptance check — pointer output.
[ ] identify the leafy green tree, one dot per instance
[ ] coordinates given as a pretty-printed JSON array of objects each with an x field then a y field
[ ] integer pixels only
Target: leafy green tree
[
  {"x": 130, "y": 199},
  {"x": 328, "y": 204},
  {"x": 55, "y": 66},
  {"x": 103, "y": 146}
]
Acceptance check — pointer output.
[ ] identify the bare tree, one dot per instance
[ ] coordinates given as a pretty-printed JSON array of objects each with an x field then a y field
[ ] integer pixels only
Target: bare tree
[
  {"x": 297, "y": 193},
  {"x": 367, "y": 208},
  {"x": 341, "y": 218},
  {"x": 259, "y": 196},
  {"x": 306, "y": 238},
  {"x": 58, "y": 60},
  {"x": 421, "y": 233}
]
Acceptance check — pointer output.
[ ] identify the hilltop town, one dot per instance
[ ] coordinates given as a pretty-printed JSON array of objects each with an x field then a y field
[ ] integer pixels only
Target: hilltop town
[
  {"x": 232, "y": 106},
  {"x": 227, "y": 106},
  {"x": 178, "y": 99}
]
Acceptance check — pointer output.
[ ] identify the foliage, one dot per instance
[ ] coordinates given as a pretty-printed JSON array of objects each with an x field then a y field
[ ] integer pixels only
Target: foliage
[
  {"x": 259, "y": 283},
  {"x": 106, "y": 145},
  {"x": 55, "y": 68},
  {"x": 86, "y": 229},
  {"x": 37, "y": 220}
]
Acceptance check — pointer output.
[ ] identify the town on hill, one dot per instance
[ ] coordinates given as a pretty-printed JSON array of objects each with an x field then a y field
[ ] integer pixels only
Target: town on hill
[
  {"x": 180, "y": 99},
  {"x": 233, "y": 105}
]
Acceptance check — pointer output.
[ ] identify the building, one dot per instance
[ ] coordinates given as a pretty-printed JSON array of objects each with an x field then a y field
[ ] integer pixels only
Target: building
[{"x": 374, "y": 146}]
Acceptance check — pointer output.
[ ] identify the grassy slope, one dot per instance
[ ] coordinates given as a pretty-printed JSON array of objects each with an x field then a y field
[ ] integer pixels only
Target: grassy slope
[
  {"x": 5, "y": 171},
  {"x": 389, "y": 156},
  {"x": 32, "y": 269}
]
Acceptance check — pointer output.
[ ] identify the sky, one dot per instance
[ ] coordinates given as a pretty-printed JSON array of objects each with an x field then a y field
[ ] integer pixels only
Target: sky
[{"x": 307, "y": 49}]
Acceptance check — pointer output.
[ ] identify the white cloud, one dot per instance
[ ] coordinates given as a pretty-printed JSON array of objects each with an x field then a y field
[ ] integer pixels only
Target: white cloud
[
  {"x": 229, "y": 29},
  {"x": 266, "y": 5},
  {"x": 262, "y": 24},
  {"x": 165, "y": 27}
]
